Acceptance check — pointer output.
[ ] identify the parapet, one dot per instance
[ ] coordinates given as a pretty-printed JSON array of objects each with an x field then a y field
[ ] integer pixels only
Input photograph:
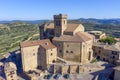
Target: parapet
[{"x": 60, "y": 16}]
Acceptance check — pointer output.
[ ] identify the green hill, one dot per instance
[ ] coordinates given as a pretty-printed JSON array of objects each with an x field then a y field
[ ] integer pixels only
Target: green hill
[{"x": 13, "y": 33}]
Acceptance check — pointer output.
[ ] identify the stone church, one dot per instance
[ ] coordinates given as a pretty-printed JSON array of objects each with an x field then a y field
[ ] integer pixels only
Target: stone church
[
  {"x": 70, "y": 39},
  {"x": 67, "y": 41}
]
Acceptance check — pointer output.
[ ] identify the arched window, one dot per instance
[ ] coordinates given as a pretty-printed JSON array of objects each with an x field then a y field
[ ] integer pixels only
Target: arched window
[{"x": 53, "y": 61}]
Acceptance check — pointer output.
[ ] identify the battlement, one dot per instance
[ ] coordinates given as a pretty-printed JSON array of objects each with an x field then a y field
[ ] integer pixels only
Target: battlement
[{"x": 60, "y": 16}]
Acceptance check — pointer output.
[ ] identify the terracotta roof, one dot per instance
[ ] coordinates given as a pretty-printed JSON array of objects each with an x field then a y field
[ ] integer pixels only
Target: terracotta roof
[
  {"x": 38, "y": 42},
  {"x": 50, "y": 26},
  {"x": 32, "y": 43},
  {"x": 78, "y": 37},
  {"x": 72, "y": 27},
  {"x": 48, "y": 45},
  {"x": 107, "y": 46}
]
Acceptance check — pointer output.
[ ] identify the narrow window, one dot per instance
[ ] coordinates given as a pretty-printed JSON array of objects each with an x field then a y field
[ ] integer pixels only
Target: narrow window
[
  {"x": 66, "y": 51},
  {"x": 51, "y": 54},
  {"x": 64, "y": 21},
  {"x": 34, "y": 54},
  {"x": 67, "y": 45},
  {"x": 60, "y": 51},
  {"x": 71, "y": 51}
]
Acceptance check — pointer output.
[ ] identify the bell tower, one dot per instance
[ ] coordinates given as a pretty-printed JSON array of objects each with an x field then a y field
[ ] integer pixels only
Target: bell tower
[{"x": 60, "y": 24}]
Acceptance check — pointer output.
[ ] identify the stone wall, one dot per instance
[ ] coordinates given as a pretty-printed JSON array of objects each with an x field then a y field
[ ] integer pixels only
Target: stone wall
[
  {"x": 48, "y": 56},
  {"x": 67, "y": 68},
  {"x": 29, "y": 57},
  {"x": 72, "y": 51},
  {"x": 106, "y": 54},
  {"x": 75, "y": 51},
  {"x": 117, "y": 75}
]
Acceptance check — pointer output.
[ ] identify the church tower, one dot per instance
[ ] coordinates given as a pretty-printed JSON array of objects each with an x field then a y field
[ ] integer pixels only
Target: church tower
[{"x": 60, "y": 24}]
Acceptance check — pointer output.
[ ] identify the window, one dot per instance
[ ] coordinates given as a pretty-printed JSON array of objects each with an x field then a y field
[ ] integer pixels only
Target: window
[
  {"x": 59, "y": 45},
  {"x": 53, "y": 61},
  {"x": 99, "y": 47},
  {"x": 60, "y": 51},
  {"x": 67, "y": 45},
  {"x": 83, "y": 45},
  {"x": 33, "y": 54},
  {"x": 58, "y": 23},
  {"x": 114, "y": 52},
  {"x": 71, "y": 51},
  {"x": 66, "y": 51},
  {"x": 51, "y": 54},
  {"x": 99, "y": 51},
  {"x": 11, "y": 76},
  {"x": 64, "y": 21},
  {"x": 113, "y": 57},
  {"x": 57, "y": 34}
]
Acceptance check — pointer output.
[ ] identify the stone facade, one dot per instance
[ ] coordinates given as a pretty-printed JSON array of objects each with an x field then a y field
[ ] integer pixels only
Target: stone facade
[
  {"x": 47, "y": 56},
  {"x": 70, "y": 39},
  {"x": 105, "y": 52},
  {"x": 46, "y": 31},
  {"x": 72, "y": 44},
  {"x": 10, "y": 71},
  {"x": 75, "y": 51},
  {"x": 36, "y": 54},
  {"x": 30, "y": 54},
  {"x": 60, "y": 24},
  {"x": 117, "y": 73}
]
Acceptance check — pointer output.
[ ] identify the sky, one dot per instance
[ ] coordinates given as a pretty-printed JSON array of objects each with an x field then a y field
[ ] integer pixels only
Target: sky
[{"x": 45, "y": 9}]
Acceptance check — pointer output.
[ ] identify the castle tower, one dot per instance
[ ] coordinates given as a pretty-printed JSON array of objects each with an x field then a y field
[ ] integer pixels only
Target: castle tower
[
  {"x": 60, "y": 24},
  {"x": 10, "y": 71}
]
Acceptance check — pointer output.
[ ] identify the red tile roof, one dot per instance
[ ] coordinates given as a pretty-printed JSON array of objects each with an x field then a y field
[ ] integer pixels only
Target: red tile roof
[
  {"x": 78, "y": 37},
  {"x": 37, "y": 42},
  {"x": 72, "y": 27}
]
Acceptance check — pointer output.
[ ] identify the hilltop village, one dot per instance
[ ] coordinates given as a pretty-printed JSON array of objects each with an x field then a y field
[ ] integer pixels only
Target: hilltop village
[{"x": 63, "y": 51}]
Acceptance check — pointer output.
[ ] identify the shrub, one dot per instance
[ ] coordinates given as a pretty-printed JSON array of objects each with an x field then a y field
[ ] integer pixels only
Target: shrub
[{"x": 108, "y": 39}]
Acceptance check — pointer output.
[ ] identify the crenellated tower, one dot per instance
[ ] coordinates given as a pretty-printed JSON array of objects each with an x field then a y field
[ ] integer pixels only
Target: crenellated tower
[{"x": 60, "y": 24}]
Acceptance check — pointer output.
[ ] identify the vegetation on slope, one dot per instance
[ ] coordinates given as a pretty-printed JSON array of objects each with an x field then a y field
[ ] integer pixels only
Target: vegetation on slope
[
  {"x": 13, "y": 33},
  {"x": 110, "y": 27},
  {"x": 109, "y": 40}
]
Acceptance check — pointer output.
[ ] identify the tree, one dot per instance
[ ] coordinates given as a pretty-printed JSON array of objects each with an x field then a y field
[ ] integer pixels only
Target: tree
[{"x": 108, "y": 39}]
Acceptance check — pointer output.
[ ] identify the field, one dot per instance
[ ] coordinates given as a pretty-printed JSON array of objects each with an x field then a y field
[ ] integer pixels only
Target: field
[{"x": 12, "y": 34}]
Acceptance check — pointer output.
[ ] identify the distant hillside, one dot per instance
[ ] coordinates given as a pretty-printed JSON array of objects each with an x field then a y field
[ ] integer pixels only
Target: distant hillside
[
  {"x": 101, "y": 21},
  {"x": 27, "y": 21},
  {"x": 13, "y": 33},
  {"x": 109, "y": 26}
]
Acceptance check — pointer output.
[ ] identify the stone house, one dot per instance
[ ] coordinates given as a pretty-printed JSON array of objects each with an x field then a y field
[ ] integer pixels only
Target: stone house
[
  {"x": 105, "y": 52},
  {"x": 36, "y": 54},
  {"x": 10, "y": 71},
  {"x": 69, "y": 42}
]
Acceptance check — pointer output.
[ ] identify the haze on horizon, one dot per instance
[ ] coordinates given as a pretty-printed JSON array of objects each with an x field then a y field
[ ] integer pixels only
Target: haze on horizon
[{"x": 45, "y": 9}]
